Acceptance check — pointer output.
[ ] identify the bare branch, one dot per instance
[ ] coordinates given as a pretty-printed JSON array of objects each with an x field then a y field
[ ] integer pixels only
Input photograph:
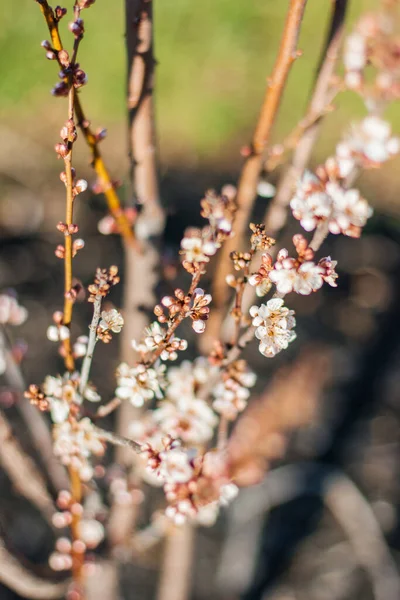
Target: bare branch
[
  {"x": 22, "y": 471},
  {"x": 24, "y": 583}
]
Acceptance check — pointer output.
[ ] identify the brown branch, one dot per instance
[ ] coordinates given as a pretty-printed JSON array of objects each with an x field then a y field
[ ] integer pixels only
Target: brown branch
[
  {"x": 68, "y": 299},
  {"x": 275, "y": 215},
  {"x": 98, "y": 164},
  {"x": 253, "y": 165},
  {"x": 322, "y": 95},
  {"x": 23, "y": 582},
  {"x": 23, "y": 472},
  {"x": 177, "y": 564},
  {"x": 33, "y": 419}
]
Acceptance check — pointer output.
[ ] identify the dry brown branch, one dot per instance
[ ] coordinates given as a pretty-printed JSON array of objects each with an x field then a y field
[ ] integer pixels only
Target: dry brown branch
[
  {"x": 177, "y": 565},
  {"x": 34, "y": 421},
  {"x": 98, "y": 164},
  {"x": 22, "y": 471},
  {"x": 344, "y": 500},
  {"x": 140, "y": 267},
  {"x": 23, "y": 582},
  {"x": 304, "y": 136},
  {"x": 275, "y": 216},
  {"x": 252, "y": 167},
  {"x": 260, "y": 435}
]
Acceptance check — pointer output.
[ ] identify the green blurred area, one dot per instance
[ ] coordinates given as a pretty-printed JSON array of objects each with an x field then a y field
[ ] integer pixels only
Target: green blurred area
[{"x": 214, "y": 57}]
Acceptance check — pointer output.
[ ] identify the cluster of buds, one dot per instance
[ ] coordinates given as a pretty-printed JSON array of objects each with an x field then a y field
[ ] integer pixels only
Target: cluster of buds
[
  {"x": 259, "y": 240},
  {"x": 104, "y": 280},
  {"x": 108, "y": 224},
  {"x": 58, "y": 332},
  {"x": 90, "y": 532},
  {"x": 68, "y": 72},
  {"x": 301, "y": 274},
  {"x": 60, "y": 396},
  {"x": 155, "y": 337},
  {"x": 111, "y": 322},
  {"x": 194, "y": 306},
  {"x": 220, "y": 210},
  {"x": 260, "y": 280},
  {"x": 231, "y": 394},
  {"x": 373, "y": 46},
  {"x": 323, "y": 198}
]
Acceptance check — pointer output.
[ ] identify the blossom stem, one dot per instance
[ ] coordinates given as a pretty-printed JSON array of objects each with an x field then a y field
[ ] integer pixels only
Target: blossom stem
[
  {"x": 118, "y": 440},
  {"x": 68, "y": 301},
  {"x": 78, "y": 557},
  {"x": 176, "y": 322},
  {"x": 87, "y": 361},
  {"x": 98, "y": 164}
]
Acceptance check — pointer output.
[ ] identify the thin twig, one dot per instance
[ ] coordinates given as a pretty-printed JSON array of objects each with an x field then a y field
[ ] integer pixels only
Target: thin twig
[
  {"x": 33, "y": 419},
  {"x": 321, "y": 97},
  {"x": 22, "y": 471},
  {"x": 23, "y": 582},
  {"x": 177, "y": 564},
  {"x": 98, "y": 164},
  {"x": 118, "y": 440},
  {"x": 275, "y": 215},
  {"x": 87, "y": 361}
]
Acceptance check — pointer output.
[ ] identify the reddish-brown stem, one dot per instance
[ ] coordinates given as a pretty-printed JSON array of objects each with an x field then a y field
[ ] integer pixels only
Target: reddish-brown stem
[
  {"x": 175, "y": 323},
  {"x": 253, "y": 165},
  {"x": 275, "y": 215},
  {"x": 78, "y": 557},
  {"x": 103, "y": 175},
  {"x": 68, "y": 302}
]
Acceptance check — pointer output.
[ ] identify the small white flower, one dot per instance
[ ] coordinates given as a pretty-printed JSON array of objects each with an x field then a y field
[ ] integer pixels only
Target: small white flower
[
  {"x": 80, "y": 346},
  {"x": 75, "y": 443},
  {"x": 111, "y": 320},
  {"x": 139, "y": 384},
  {"x": 10, "y": 311},
  {"x": 195, "y": 251},
  {"x": 189, "y": 419},
  {"x": 175, "y": 466},
  {"x": 274, "y": 324},
  {"x": 355, "y": 53}
]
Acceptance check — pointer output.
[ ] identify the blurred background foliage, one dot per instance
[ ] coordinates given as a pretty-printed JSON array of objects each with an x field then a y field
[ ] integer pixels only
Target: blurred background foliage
[{"x": 214, "y": 58}]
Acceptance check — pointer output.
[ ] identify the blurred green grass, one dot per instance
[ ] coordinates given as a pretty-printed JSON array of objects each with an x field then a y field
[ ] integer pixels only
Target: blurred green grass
[{"x": 214, "y": 57}]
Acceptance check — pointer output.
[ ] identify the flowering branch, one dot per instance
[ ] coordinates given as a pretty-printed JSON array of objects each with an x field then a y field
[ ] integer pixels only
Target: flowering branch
[
  {"x": 106, "y": 183},
  {"x": 250, "y": 175}
]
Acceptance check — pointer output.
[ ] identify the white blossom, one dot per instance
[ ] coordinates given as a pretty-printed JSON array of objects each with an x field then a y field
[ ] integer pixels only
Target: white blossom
[
  {"x": 189, "y": 419},
  {"x": 355, "y": 54},
  {"x": 139, "y": 384},
  {"x": 111, "y": 320},
  {"x": 74, "y": 443},
  {"x": 196, "y": 250},
  {"x": 175, "y": 466},
  {"x": 274, "y": 324},
  {"x": 371, "y": 143},
  {"x": 10, "y": 311},
  {"x": 303, "y": 279}
]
